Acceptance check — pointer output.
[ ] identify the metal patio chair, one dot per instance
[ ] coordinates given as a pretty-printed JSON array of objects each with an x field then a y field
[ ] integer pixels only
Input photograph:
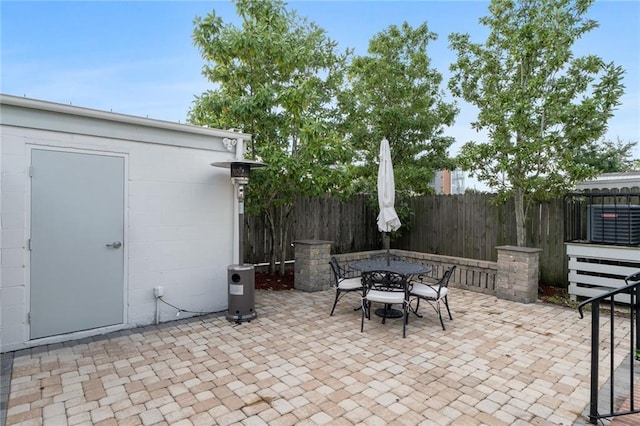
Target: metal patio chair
[
  {"x": 389, "y": 289},
  {"x": 433, "y": 293},
  {"x": 344, "y": 281}
]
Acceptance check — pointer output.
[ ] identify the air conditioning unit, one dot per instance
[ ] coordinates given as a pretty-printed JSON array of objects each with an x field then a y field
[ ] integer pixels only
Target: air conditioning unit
[{"x": 614, "y": 224}]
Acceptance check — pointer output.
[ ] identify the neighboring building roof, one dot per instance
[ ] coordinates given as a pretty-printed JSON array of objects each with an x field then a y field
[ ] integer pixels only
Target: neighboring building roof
[{"x": 612, "y": 181}]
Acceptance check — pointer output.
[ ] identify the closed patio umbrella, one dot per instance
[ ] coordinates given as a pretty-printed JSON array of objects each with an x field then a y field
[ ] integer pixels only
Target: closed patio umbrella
[{"x": 388, "y": 220}]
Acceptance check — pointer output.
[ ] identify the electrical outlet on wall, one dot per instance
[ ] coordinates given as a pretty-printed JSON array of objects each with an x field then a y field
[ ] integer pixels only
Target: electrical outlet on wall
[{"x": 158, "y": 291}]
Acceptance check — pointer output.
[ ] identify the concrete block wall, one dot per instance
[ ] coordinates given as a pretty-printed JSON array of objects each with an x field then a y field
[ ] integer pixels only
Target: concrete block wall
[
  {"x": 517, "y": 274},
  {"x": 470, "y": 274},
  {"x": 513, "y": 277},
  {"x": 180, "y": 220},
  {"x": 181, "y": 216},
  {"x": 13, "y": 296},
  {"x": 312, "y": 270}
]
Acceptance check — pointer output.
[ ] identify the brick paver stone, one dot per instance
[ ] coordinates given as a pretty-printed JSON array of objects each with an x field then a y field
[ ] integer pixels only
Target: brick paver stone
[{"x": 498, "y": 362}]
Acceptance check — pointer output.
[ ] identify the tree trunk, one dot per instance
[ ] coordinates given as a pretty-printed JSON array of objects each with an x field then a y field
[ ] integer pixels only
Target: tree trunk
[
  {"x": 284, "y": 233},
  {"x": 272, "y": 240},
  {"x": 521, "y": 230},
  {"x": 283, "y": 245}
]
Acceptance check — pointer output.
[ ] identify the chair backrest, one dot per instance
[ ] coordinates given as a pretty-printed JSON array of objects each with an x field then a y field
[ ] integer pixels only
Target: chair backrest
[
  {"x": 444, "y": 281},
  {"x": 340, "y": 272},
  {"x": 384, "y": 281},
  {"x": 337, "y": 271}
]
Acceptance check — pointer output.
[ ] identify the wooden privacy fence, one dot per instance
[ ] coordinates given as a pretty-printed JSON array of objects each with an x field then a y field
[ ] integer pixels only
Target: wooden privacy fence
[
  {"x": 350, "y": 224},
  {"x": 472, "y": 226},
  {"x": 464, "y": 226}
]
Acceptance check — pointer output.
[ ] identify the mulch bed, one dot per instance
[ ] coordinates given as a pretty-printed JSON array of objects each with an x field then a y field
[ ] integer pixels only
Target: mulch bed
[
  {"x": 275, "y": 282},
  {"x": 545, "y": 291}
]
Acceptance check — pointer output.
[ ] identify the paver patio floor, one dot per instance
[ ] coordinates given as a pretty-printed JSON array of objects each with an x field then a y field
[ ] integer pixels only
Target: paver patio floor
[{"x": 497, "y": 363}]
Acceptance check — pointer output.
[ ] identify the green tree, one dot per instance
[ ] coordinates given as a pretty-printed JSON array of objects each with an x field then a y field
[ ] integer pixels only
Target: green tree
[
  {"x": 276, "y": 77},
  {"x": 608, "y": 156},
  {"x": 537, "y": 102},
  {"x": 395, "y": 93}
]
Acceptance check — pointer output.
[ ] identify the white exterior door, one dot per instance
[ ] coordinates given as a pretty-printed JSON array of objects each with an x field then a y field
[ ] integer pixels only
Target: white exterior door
[{"x": 77, "y": 231}]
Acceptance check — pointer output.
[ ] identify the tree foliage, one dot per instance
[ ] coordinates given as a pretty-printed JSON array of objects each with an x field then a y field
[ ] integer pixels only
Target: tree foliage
[
  {"x": 394, "y": 93},
  {"x": 608, "y": 156},
  {"x": 537, "y": 102},
  {"x": 276, "y": 77}
]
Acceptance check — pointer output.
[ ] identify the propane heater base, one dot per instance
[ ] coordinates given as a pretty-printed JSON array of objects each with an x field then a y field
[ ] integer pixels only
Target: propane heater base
[{"x": 237, "y": 318}]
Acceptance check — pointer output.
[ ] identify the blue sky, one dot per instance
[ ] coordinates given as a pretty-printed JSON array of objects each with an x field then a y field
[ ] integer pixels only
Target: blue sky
[{"x": 137, "y": 57}]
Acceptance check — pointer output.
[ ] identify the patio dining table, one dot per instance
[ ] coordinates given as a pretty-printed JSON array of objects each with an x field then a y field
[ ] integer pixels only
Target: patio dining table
[{"x": 400, "y": 267}]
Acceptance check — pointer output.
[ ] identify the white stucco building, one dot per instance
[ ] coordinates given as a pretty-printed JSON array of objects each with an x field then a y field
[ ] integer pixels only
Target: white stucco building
[{"x": 98, "y": 210}]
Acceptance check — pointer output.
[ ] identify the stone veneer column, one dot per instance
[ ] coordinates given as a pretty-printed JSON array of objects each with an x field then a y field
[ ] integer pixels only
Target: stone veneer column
[
  {"x": 517, "y": 278},
  {"x": 312, "y": 270}
]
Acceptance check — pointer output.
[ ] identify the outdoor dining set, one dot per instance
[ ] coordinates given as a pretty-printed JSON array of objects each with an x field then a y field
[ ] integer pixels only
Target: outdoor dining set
[
  {"x": 388, "y": 280},
  {"x": 385, "y": 278}
]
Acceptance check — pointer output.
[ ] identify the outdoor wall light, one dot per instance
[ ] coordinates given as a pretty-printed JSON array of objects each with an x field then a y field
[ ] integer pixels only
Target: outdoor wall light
[{"x": 229, "y": 144}]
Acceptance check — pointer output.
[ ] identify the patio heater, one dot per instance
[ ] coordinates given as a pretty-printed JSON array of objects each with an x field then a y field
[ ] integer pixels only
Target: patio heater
[{"x": 240, "y": 277}]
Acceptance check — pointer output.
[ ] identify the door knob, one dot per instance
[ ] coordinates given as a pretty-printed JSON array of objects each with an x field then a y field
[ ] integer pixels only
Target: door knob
[{"x": 116, "y": 244}]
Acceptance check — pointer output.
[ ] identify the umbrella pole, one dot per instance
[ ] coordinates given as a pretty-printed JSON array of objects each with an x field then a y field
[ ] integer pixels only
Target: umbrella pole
[{"x": 387, "y": 243}]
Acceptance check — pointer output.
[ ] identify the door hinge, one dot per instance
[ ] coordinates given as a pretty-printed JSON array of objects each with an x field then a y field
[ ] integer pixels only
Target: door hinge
[
  {"x": 28, "y": 317},
  {"x": 29, "y": 244},
  {"x": 30, "y": 171}
]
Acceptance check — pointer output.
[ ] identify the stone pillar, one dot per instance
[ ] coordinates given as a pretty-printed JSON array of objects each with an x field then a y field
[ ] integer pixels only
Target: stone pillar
[
  {"x": 312, "y": 270},
  {"x": 517, "y": 278}
]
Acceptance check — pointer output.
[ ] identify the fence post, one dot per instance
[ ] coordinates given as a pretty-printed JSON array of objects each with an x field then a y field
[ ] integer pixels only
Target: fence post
[
  {"x": 517, "y": 278},
  {"x": 312, "y": 270}
]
